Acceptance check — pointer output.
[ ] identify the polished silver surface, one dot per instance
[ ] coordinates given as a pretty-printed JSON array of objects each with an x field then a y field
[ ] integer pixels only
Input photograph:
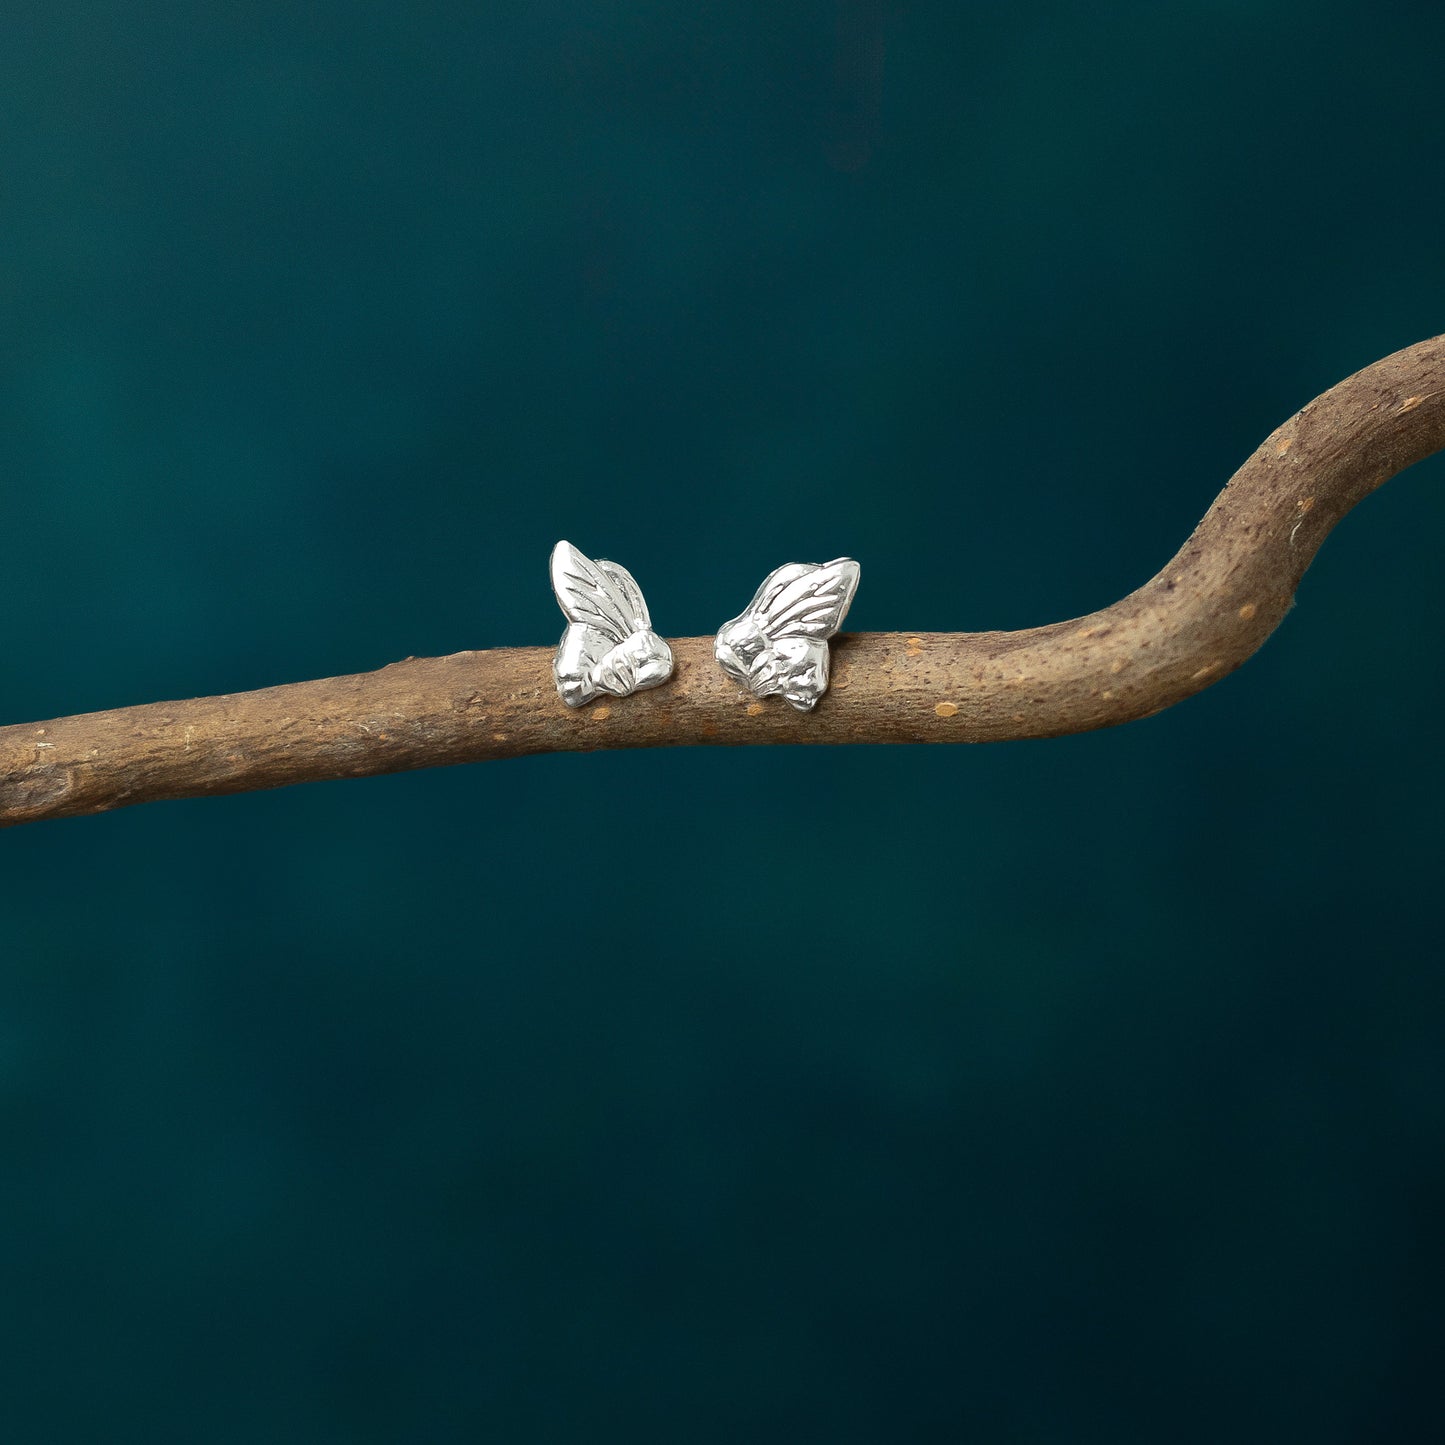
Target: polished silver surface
[
  {"x": 780, "y": 644},
  {"x": 609, "y": 645}
]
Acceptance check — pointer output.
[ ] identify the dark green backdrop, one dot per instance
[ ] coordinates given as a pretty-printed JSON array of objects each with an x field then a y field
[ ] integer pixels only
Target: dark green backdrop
[{"x": 1088, "y": 1090}]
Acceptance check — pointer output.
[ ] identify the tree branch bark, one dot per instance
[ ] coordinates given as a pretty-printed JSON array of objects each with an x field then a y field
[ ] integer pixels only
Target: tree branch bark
[{"x": 1210, "y": 608}]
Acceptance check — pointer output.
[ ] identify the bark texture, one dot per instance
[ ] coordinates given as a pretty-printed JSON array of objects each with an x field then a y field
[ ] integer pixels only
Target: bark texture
[{"x": 1203, "y": 615}]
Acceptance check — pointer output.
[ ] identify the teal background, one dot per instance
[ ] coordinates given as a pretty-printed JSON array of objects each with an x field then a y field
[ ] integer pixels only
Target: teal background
[{"x": 1087, "y": 1090}]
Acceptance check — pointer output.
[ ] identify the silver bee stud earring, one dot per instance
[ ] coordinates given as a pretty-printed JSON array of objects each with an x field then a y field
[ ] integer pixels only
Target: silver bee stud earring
[
  {"x": 780, "y": 644},
  {"x": 609, "y": 645}
]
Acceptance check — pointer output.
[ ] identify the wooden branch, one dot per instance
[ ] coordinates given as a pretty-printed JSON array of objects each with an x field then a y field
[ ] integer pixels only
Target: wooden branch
[{"x": 1200, "y": 618}]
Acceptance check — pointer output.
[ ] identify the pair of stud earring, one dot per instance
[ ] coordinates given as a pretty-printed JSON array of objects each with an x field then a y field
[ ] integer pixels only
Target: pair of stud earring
[{"x": 777, "y": 647}]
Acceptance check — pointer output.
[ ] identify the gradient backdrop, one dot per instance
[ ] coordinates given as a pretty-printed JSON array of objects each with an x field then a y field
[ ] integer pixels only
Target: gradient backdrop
[{"x": 1087, "y": 1090}]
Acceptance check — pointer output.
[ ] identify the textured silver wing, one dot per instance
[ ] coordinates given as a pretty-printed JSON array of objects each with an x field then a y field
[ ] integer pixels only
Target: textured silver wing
[
  {"x": 806, "y": 600},
  {"x": 609, "y": 645},
  {"x": 779, "y": 646},
  {"x": 597, "y": 594}
]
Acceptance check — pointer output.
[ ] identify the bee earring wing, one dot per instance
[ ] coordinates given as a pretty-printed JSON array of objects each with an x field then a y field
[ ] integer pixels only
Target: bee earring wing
[
  {"x": 597, "y": 594},
  {"x": 805, "y": 599},
  {"x": 609, "y": 645},
  {"x": 780, "y": 644}
]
